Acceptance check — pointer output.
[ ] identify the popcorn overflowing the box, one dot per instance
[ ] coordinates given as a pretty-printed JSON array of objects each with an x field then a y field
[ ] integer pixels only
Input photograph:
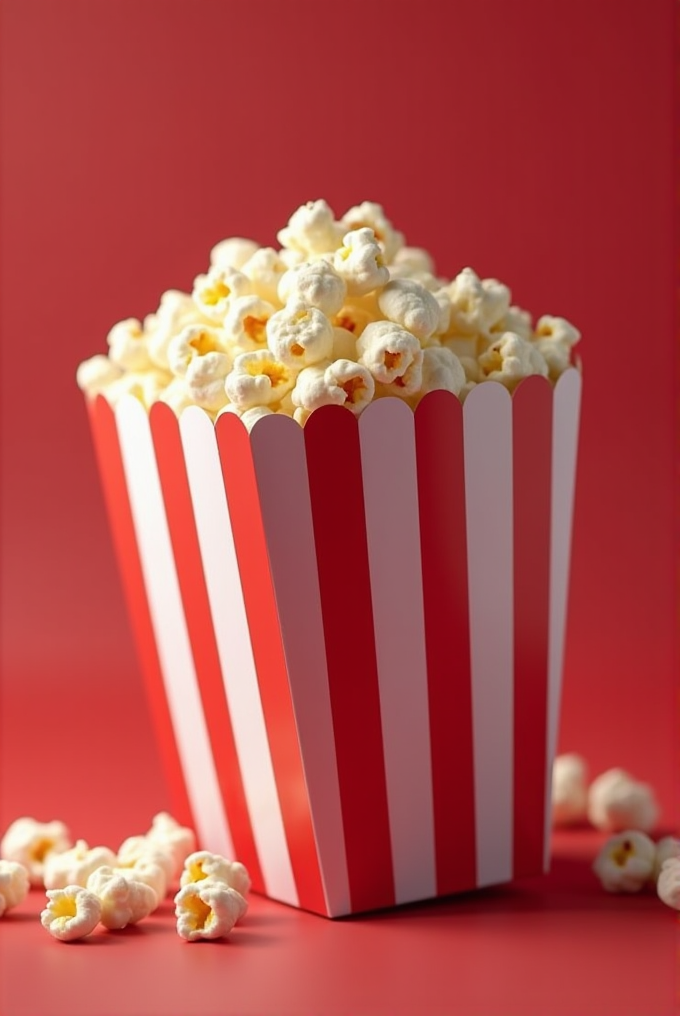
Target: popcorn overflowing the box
[{"x": 351, "y": 624}]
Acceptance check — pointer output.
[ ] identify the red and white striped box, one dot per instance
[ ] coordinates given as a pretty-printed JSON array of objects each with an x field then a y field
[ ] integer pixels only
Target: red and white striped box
[{"x": 352, "y": 633}]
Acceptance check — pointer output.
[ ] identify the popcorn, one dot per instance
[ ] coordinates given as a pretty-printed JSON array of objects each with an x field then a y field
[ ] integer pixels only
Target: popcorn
[
  {"x": 145, "y": 871},
  {"x": 94, "y": 375},
  {"x": 30, "y": 842},
  {"x": 392, "y": 355},
  {"x": 554, "y": 338},
  {"x": 344, "y": 345},
  {"x": 128, "y": 345},
  {"x": 14, "y": 885},
  {"x": 175, "y": 312},
  {"x": 176, "y": 395},
  {"x": 143, "y": 850},
  {"x": 315, "y": 283},
  {"x": 213, "y": 293},
  {"x": 410, "y": 261},
  {"x": 668, "y": 883},
  {"x": 207, "y": 909},
  {"x": 361, "y": 263},
  {"x": 197, "y": 341},
  {"x": 371, "y": 215},
  {"x": 510, "y": 359},
  {"x": 341, "y": 383},
  {"x": 569, "y": 789},
  {"x": 515, "y": 320},
  {"x": 265, "y": 269},
  {"x": 203, "y": 864},
  {"x": 312, "y": 229},
  {"x": 250, "y": 416},
  {"x": 475, "y": 305},
  {"x": 246, "y": 323},
  {"x": 71, "y": 913},
  {"x": 258, "y": 379},
  {"x": 145, "y": 386},
  {"x": 166, "y": 832},
  {"x": 124, "y": 900},
  {"x": 441, "y": 370},
  {"x": 667, "y": 849},
  {"x": 353, "y": 318},
  {"x": 410, "y": 305},
  {"x": 74, "y": 866},
  {"x": 617, "y": 801},
  {"x": 626, "y": 862},
  {"x": 233, "y": 252},
  {"x": 300, "y": 335}
]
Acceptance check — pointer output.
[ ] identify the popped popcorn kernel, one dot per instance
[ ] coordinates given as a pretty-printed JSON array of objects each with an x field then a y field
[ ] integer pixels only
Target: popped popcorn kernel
[
  {"x": 74, "y": 866},
  {"x": 14, "y": 885},
  {"x": 202, "y": 865},
  {"x": 372, "y": 216},
  {"x": 352, "y": 318},
  {"x": 410, "y": 261},
  {"x": 96, "y": 374},
  {"x": 207, "y": 909},
  {"x": 245, "y": 326},
  {"x": 300, "y": 335},
  {"x": 667, "y": 849},
  {"x": 341, "y": 383},
  {"x": 146, "y": 871},
  {"x": 626, "y": 862},
  {"x": 312, "y": 229},
  {"x": 410, "y": 305},
  {"x": 141, "y": 850},
  {"x": 128, "y": 345},
  {"x": 554, "y": 338},
  {"x": 258, "y": 379},
  {"x": 668, "y": 883},
  {"x": 315, "y": 283},
  {"x": 30, "y": 842},
  {"x": 124, "y": 900},
  {"x": 617, "y": 801},
  {"x": 441, "y": 370},
  {"x": 167, "y": 833},
  {"x": 476, "y": 305},
  {"x": 392, "y": 355},
  {"x": 569, "y": 789},
  {"x": 514, "y": 320},
  {"x": 71, "y": 913},
  {"x": 234, "y": 252},
  {"x": 265, "y": 269},
  {"x": 510, "y": 359},
  {"x": 213, "y": 293},
  {"x": 360, "y": 262}
]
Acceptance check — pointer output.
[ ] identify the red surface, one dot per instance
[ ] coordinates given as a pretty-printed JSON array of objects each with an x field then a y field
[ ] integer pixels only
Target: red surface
[{"x": 531, "y": 140}]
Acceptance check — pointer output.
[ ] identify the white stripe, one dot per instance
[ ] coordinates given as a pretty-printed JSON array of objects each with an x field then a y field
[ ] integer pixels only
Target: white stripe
[
  {"x": 230, "y": 622},
  {"x": 566, "y": 405},
  {"x": 487, "y": 416},
  {"x": 388, "y": 454},
  {"x": 281, "y": 468},
  {"x": 169, "y": 624}
]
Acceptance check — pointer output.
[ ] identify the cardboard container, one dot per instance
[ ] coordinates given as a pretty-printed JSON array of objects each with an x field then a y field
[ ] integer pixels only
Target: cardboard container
[{"x": 352, "y": 634}]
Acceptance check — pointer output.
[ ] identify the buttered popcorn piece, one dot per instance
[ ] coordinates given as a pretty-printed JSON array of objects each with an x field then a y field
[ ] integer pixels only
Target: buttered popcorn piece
[
  {"x": 315, "y": 283},
  {"x": 392, "y": 355},
  {"x": 300, "y": 335},
  {"x": 71, "y": 913},
  {"x": 312, "y": 229},
  {"x": 167, "y": 833},
  {"x": 124, "y": 899},
  {"x": 341, "y": 383},
  {"x": 258, "y": 379},
  {"x": 476, "y": 305},
  {"x": 128, "y": 344},
  {"x": 667, "y": 849},
  {"x": 233, "y": 252},
  {"x": 74, "y": 866},
  {"x": 213, "y": 292},
  {"x": 245, "y": 326},
  {"x": 372, "y": 216},
  {"x": 175, "y": 312},
  {"x": 569, "y": 789},
  {"x": 626, "y": 862},
  {"x": 361, "y": 263},
  {"x": 410, "y": 305},
  {"x": 202, "y": 864},
  {"x": 265, "y": 269},
  {"x": 96, "y": 374},
  {"x": 510, "y": 359},
  {"x": 554, "y": 338},
  {"x": 353, "y": 317},
  {"x": 196, "y": 341},
  {"x": 514, "y": 320},
  {"x": 14, "y": 885},
  {"x": 441, "y": 370},
  {"x": 411, "y": 261},
  {"x": 207, "y": 909},
  {"x": 30, "y": 842},
  {"x": 668, "y": 883},
  {"x": 617, "y": 801}
]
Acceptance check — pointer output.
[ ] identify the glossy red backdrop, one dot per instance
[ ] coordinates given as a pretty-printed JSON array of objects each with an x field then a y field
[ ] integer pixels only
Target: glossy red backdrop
[{"x": 530, "y": 140}]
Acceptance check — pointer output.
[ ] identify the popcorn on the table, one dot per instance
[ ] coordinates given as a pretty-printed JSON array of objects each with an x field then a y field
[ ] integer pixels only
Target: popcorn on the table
[
  {"x": 569, "y": 789},
  {"x": 309, "y": 304},
  {"x": 202, "y": 864},
  {"x": 207, "y": 909},
  {"x": 124, "y": 899},
  {"x": 74, "y": 866},
  {"x": 626, "y": 862},
  {"x": 14, "y": 885},
  {"x": 617, "y": 801},
  {"x": 71, "y": 913},
  {"x": 30, "y": 843},
  {"x": 668, "y": 883}
]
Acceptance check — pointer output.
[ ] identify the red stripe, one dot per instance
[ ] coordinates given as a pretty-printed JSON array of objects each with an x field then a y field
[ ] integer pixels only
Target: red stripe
[
  {"x": 532, "y": 439},
  {"x": 441, "y": 494},
  {"x": 112, "y": 473},
  {"x": 265, "y": 634},
  {"x": 334, "y": 466},
  {"x": 187, "y": 553}
]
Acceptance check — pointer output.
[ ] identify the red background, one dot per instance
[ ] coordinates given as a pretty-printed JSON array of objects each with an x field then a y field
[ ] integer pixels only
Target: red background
[{"x": 531, "y": 140}]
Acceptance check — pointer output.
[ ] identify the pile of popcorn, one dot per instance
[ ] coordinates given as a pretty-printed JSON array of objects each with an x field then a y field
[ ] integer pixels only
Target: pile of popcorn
[
  {"x": 343, "y": 313},
  {"x": 91, "y": 886},
  {"x": 616, "y": 802}
]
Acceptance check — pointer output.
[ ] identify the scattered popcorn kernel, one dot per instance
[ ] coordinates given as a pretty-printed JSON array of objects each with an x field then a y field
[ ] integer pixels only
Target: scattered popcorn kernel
[
  {"x": 245, "y": 326},
  {"x": 510, "y": 359},
  {"x": 361, "y": 263},
  {"x": 203, "y": 864},
  {"x": 315, "y": 283},
  {"x": 148, "y": 872},
  {"x": 476, "y": 305},
  {"x": 666, "y": 849},
  {"x": 166, "y": 832},
  {"x": 300, "y": 335},
  {"x": 265, "y": 269},
  {"x": 96, "y": 374},
  {"x": 124, "y": 899},
  {"x": 372, "y": 216},
  {"x": 128, "y": 345},
  {"x": 30, "y": 842},
  {"x": 668, "y": 883},
  {"x": 441, "y": 370},
  {"x": 312, "y": 229},
  {"x": 617, "y": 801},
  {"x": 626, "y": 862},
  {"x": 392, "y": 355},
  {"x": 569, "y": 789},
  {"x": 213, "y": 293},
  {"x": 74, "y": 866},
  {"x": 207, "y": 909},
  {"x": 258, "y": 379},
  {"x": 233, "y": 252},
  {"x": 71, "y": 913},
  {"x": 410, "y": 305},
  {"x": 14, "y": 885},
  {"x": 341, "y": 383},
  {"x": 141, "y": 849}
]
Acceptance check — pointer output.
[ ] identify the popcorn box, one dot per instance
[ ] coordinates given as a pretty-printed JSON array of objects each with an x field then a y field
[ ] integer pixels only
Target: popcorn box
[{"x": 352, "y": 634}]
